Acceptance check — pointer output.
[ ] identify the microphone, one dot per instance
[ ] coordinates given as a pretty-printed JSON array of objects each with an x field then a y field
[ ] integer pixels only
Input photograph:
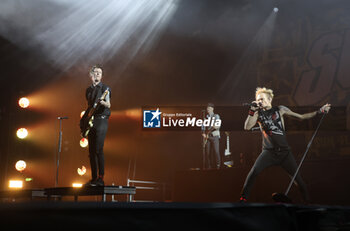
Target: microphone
[
  {"x": 253, "y": 104},
  {"x": 62, "y": 118}
]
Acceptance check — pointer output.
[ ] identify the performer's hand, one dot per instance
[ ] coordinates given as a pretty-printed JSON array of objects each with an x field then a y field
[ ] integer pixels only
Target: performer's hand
[
  {"x": 254, "y": 108},
  {"x": 104, "y": 103},
  {"x": 325, "y": 108},
  {"x": 204, "y": 135}
]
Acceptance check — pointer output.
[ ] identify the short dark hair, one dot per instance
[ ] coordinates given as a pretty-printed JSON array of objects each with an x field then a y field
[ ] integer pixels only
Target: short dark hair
[
  {"x": 210, "y": 105},
  {"x": 94, "y": 67}
]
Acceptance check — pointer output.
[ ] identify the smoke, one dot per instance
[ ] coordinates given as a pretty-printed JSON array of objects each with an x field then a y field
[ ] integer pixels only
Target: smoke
[
  {"x": 67, "y": 32},
  {"x": 246, "y": 67}
]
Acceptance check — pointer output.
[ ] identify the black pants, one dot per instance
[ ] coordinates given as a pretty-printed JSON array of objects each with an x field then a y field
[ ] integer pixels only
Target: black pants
[
  {"x": 96, "y": 139},
  {"x": 212, "y": 152},
  {"x": 268, "y": 158}
]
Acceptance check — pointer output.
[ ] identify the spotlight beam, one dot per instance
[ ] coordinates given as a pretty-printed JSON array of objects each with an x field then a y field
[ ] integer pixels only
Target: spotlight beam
[
  {"x": 248, "y": 60},
  {"x": 87, "y": 31}
]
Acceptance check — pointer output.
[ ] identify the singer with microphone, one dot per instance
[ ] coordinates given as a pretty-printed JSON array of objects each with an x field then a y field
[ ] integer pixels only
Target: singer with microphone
[
  {"x": 97, "y": 132},
  {"x": 275, "y": 148}
]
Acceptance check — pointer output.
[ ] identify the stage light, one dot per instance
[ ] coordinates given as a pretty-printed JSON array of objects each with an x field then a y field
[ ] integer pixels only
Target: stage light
[
  {"x": 84, "y": 142},
  {"x": 77, "y": 185},
  {"x": 20, "y": 165},
  {"x": 22, "y": 133},
  {"x": 23, "y": 102},
  {"x": 275, "y": 9},
  {"x": 81, "y": 171},
  {"x": 28, "y": 179},
  {"x": 82, "y": 113},
  {"x": 15, "y": 184}
]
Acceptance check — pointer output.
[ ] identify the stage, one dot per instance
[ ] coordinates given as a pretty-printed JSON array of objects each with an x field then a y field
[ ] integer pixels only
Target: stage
[
  {"x": 162, "y": 215},
  {"x": 54, "y": 207}
]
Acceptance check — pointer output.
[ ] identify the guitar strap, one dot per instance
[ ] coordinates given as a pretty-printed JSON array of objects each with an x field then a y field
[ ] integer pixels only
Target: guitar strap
[
  {"x": 94, "y": 95},
  {"x": 97, "y": 93}
]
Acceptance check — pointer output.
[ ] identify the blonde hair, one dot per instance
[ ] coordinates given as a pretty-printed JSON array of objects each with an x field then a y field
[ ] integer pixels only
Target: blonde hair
[{"x": 265, "y": 90}]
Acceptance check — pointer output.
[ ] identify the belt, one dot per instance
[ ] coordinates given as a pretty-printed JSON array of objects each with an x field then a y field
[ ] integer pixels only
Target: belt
[
  {"x": 278, "y": 149},
  {"x": 100, "y": 117}
]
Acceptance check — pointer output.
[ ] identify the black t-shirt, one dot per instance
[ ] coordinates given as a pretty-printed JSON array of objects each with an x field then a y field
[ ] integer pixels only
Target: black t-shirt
[
  {"x": 274, "y": 136},
  {"x": 94, "y": 93}
]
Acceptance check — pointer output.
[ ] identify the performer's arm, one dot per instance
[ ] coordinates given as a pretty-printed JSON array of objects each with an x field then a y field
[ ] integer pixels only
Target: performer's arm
[
  {"x": 252, "y": 118},
  {"x": 286, "y": 111},
  {"x": 217, "y": 117},
  {"x": 106, "y": 102},
  {"x": 211, "y": 129}
]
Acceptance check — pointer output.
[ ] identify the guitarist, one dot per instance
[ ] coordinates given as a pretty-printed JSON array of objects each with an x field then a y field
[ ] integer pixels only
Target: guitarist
[
  {"x": 97, "y": 133},
  {"x": 211, "y": 137}
]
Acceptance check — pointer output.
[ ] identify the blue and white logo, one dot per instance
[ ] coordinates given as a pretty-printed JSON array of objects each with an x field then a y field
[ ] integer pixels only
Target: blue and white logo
[{"x": 151, "y": 118}]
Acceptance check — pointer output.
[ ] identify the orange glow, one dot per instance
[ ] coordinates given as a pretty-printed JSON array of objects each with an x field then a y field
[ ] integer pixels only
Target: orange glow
[
  {"x": 84, "y": 142},
  {"x": 15, "y": 184},
  {"x": 23, "y": 102},
  {"x": 82, "y": 113},
  {"x": 81, "y": 171},
  {"x": 43, "y": 129},
  {"x": 22, "y": 133},
  {"x": 20, "y": 165},
  {"x": 46, "y": 98},
  {"x": 77, "y": 185},
  {"x": 134, "y": 113}
]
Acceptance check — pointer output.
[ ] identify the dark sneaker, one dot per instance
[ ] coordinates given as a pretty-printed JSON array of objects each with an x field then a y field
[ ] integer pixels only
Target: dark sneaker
[
  {"x": 90, "y": 183},
  {"x": 99, "y": 182}
]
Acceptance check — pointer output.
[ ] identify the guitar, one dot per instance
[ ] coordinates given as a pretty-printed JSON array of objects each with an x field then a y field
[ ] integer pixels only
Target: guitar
[
  {"x": 86, "y": 121},
  {"x": 206, "y": 137},
  {"x": 227, "y": 150},
  {"x": 228, "y": 161}
]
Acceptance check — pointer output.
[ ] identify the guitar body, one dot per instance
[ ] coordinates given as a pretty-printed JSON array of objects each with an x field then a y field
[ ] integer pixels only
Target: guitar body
[
  {"x": 86, "y": 123},
  {"x": 205, "y": 139}
]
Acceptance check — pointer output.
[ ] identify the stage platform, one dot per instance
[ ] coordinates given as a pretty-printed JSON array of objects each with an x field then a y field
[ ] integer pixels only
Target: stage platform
[
  {"x": 59, "y": 192},
  {"x": 172, "y": 216}
]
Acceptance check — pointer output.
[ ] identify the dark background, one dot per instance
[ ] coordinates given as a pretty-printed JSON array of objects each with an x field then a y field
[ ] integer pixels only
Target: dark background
[{"x": 209, "y": 51}]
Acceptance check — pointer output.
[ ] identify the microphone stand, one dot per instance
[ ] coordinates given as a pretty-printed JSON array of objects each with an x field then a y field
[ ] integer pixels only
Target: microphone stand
[
  {"x": 203, "y": 146},
  {"x": 59, "y": 147},
  {"x": 280, "y": 197}
]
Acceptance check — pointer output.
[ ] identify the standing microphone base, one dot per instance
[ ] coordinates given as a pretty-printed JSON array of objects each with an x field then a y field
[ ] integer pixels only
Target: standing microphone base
[{"x": 281, "y": 198}]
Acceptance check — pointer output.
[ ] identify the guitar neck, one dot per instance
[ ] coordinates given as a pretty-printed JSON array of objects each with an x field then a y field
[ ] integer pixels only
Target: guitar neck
[
  {"x": 228, "y": 143},
  {"x": 96, "y": 104}
]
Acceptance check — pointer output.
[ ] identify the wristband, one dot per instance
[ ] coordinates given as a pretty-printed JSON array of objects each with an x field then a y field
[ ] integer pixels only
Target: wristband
[{"x": 251, "y": 112}]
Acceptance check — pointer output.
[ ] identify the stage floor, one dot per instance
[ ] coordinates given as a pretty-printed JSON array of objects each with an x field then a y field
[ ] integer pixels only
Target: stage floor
[{"x": 173, "y": 215}]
